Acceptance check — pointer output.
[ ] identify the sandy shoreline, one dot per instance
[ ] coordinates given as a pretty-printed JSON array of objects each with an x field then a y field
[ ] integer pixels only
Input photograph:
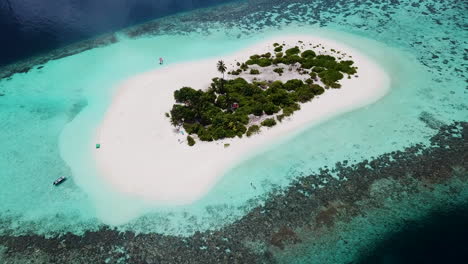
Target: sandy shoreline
[{"x": 141, "y": 154}]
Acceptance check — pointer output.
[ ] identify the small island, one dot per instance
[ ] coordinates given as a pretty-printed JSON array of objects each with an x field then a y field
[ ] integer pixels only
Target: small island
[
  {"x": 260, "y": 92},
  {"x": 278, "y": 94}
]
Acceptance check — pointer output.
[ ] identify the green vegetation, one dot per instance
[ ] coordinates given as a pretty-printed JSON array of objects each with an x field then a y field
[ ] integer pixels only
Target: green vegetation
[
  {"x": 236, "y": 72},
  {"x": 223, "y": 110},
  {"x": 221, "y": 67},
  {"x": 253, "y": 129},
  {"x": 308, "y": 54},
  {"x": 330, "y": 78},
  {"x": 269, "y": 122},
  {"x": 254, "y": 71},
  {"x": 277, "y": 47},
  {"x": 280, "y": 117},
  {"x": 190, "y": 141},
  {"x": 261, "y": 61},
  {"x": 244, "y": 67},
  {"x": 292, "y": 51},
  {"x": 226, "y": 109},
  {"x": 313, "y": 75},
  {"x": 278, "y": 70}
]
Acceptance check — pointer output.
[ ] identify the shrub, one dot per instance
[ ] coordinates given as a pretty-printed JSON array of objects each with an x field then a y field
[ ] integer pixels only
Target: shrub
[
  {"x": 313, "y": 75},
  {"x": 218, "y": 132},
  {"x": 289, "y": 110},
  {"x": 253, "y": 129},
  {"x": 278, "y": 60},
  {"x": 266, "y": 55},
  {"x": 187, "y": 94},
  {"x": 270, "y": 108},
  {"x": 192, "y": 128},
  {"x": 222, "y": 102},
  {"x": 308, "y": 54},
  {"x": 293, "y": 51},
  {"x": 241, "y": 129},
  {"x": 182, "y": 112},
  {"x": 279, "y": 54},
  {"x": 345, "y": 66},
  {"x": 317, "y": 89},
  {"x": 279, "y": 71},
  {"x": 269, "y": 122},
  {"x": 206, "y": 98},
  {"x": 262, "y": 62},
  {"x": 275, "y": 44},
  {"x": 276, "y": 85},
  {"x": 190, "y": 141},
  {"x": 260, "y": 84},
  {"x": 205, "y": 135},
  {"x": 244, "y": 67},
  {"x": 280, "y": 117},
  {"x": 257, "y": 109},
  {"x": 281, "y": 98},
  {"x": 308, "y": 63},
  {"x": 167, "y": 114},
  {"x": 293, "y": 84},
  {"x": 304, "y": 93},
  {"x": 325, "y": 57},
  {"x": 318, "y": 69},
  {"x": 329, "y": 77},
  {"x": 291, "y": 59},
  {"x": 254, "y": 71}
]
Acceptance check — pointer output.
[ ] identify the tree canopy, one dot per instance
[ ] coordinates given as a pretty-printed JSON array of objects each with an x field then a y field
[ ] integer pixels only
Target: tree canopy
[
  {"x": 221, "y": 67},
  {"x": 226, "y": 108}
]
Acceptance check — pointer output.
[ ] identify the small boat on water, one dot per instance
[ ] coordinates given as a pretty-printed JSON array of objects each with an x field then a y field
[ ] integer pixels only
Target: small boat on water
[{"x": 59, "y": 180}]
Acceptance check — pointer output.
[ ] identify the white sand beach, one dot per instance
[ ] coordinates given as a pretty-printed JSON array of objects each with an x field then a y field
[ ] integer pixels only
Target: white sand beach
[{"x": 141, "y": 154}]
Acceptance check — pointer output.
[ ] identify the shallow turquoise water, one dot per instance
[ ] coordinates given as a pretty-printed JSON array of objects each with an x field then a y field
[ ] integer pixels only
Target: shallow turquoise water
[{"x": 38, "y": 105}]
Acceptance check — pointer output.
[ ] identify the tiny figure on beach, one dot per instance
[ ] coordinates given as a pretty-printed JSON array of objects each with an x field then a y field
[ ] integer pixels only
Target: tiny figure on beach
[
  {"x": 251, "y": 184},
  {"x": 161, "y": 61}
]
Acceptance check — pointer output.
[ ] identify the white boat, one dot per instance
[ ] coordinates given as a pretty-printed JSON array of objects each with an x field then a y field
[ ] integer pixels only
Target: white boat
[{"x": 59, "y": 180}]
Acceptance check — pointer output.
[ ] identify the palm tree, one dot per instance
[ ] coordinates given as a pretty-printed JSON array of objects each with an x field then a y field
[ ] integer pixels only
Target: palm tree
[{"x": 221, "y": 67}]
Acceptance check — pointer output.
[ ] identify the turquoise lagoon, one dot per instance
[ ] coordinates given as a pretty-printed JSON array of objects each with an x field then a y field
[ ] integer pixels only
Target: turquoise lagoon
[
  {"x": 49, "y": 115},
  {"x": 84, "y": 84}
]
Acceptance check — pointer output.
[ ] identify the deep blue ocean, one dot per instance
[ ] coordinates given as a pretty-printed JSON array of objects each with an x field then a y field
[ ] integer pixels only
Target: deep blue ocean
[{"x": 30, "y": 27}]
